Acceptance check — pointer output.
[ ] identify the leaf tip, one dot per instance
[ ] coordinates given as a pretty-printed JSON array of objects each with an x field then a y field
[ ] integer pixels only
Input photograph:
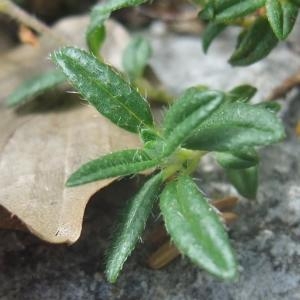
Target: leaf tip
[{"x": 72, "y": 181}]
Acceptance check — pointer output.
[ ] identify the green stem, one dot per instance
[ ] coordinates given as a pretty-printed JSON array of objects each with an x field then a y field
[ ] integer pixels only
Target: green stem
[{"x": 184, "y": 156}]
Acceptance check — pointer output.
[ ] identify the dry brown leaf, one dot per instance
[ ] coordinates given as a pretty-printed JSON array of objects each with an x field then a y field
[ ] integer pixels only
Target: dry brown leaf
[
  {"x": 39, "y": 151},
  {"x": 297, "y": 128},
  {"x": 42, "y": 144},
  {"x": 24, "y": 61},
  {"x": 27, "y": 36}
]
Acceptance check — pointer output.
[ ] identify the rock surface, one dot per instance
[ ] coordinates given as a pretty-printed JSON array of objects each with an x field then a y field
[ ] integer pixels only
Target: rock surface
[{"x": 266, "y": 237}]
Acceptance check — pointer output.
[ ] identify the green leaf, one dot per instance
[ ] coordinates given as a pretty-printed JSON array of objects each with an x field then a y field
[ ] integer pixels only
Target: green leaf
[
  {"x": 95, "y": 34},
  {"x": 195, "y": 228},
  {"x": 35, "y": 86},
  {"x": 282, "y": 15},
  {"x": 237, "y": 160},
  {"x": 242, "y": 93},
  {"x": 149, "y": 135},
  {"x": 244, "y": 180},
  {"x": 273, "y": 107},
  {"x": 211, "y": 8},
  {"x": 136, "y": 57},
  {"x": 210, "y": 33},
  {"x": 236, "y": 126},
  {"x": 119, "y": 163},
  {"x": 296, "y": 2},
  {"x": 193, "y": 108},
  {"x": 221, "y": 5},
  {"x": 207, "y": 13},
  {"x": 238, "y": 9},
  {"x": 133, "y": 221},
  {"x": 187, "y": 103},
  {"x": 105, "y": 89},
  {"x": 256, "y": 42}
]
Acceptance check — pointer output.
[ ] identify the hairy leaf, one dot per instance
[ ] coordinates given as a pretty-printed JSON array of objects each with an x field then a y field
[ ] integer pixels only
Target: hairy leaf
[
  {"x": 106, "y": 90},
  {"x": 96, "y": 31},
  {"x": 131, "y": 226},
  {"x": 136, "y": 57},
  {"x": 149, "y": 135},
  {"x": 244, "y": 180},
  {"x": 186, "y": 104},
  {"x": 237, "y": 160},
  {"x": 238, "y": 9},
  {"x": 282, "y": 15},
  {"x": 193, "y": 108},
  {"x": 255, "y": 43},
  {"x": 210, "y": 33},
  {"x": 111, "y": 165},
  {"x": 35, "y": 86},
  {"x": 195, "y": 228},
  {"x": 242, "y": 93},
  {"x": 273, "y": 107},
  {"x": 237, "y": 126}
]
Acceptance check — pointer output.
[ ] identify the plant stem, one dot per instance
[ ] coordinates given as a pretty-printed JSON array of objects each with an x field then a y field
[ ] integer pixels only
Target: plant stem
[
  {"x": 191, "y": 157},
  {"x": 11, "y": 9}
]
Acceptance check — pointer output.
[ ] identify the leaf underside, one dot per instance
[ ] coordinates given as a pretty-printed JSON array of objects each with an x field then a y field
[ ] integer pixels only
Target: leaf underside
[
  {"x": 244, "y": 180},
  {"x": 255, "y": 43}
]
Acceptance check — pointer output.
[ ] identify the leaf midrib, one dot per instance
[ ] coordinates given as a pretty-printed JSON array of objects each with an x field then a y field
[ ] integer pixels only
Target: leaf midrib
[{"x": 97, "y": 83}]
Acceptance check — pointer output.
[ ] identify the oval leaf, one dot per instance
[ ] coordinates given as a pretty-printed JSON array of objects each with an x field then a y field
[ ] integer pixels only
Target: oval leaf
[
  {"x": 244, "y": 180},
  {"x": 210, "y": 33},
  {"x": 186, "y": 104},
  {"x": 255, "y": 43},
  {"x": 95, "y": 34},
  {"x": 242, "y": 93},
  {"x": 35, "y": 86},
  {"x": 136, "y": 57},
  {"x": 237, "y": 160},
  {"x": 115, "y": 164},
  {"x": 187, "y": 113},
  {"x": 106, "y": 90},
  {"x": 273, "y": 107},
  {"x": 236, "y": 126},
  {"x": 131, "y": 226},
  {"x": 195, "y": 228},
  {"x": 238, "y": 9},
  {"x": 282, "y": 16}
]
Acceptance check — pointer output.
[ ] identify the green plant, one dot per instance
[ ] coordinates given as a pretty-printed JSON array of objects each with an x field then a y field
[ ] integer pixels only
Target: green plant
[
  {"x": 263, "y": 23},
  {"x": 200, "y": 121}
]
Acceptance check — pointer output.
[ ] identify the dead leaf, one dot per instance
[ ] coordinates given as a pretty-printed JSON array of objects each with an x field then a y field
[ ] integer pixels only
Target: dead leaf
[
  {"x": 24, "y": 61},
  {"x": 38, "y": 153},
  {"x": 27, "y": 36},
  {"x": 43, "y": 143},
  {"x": 297, "y": 128}
]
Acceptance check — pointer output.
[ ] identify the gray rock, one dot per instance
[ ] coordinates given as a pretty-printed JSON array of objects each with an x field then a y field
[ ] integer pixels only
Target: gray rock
[{"x": 266, "y": 237}]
